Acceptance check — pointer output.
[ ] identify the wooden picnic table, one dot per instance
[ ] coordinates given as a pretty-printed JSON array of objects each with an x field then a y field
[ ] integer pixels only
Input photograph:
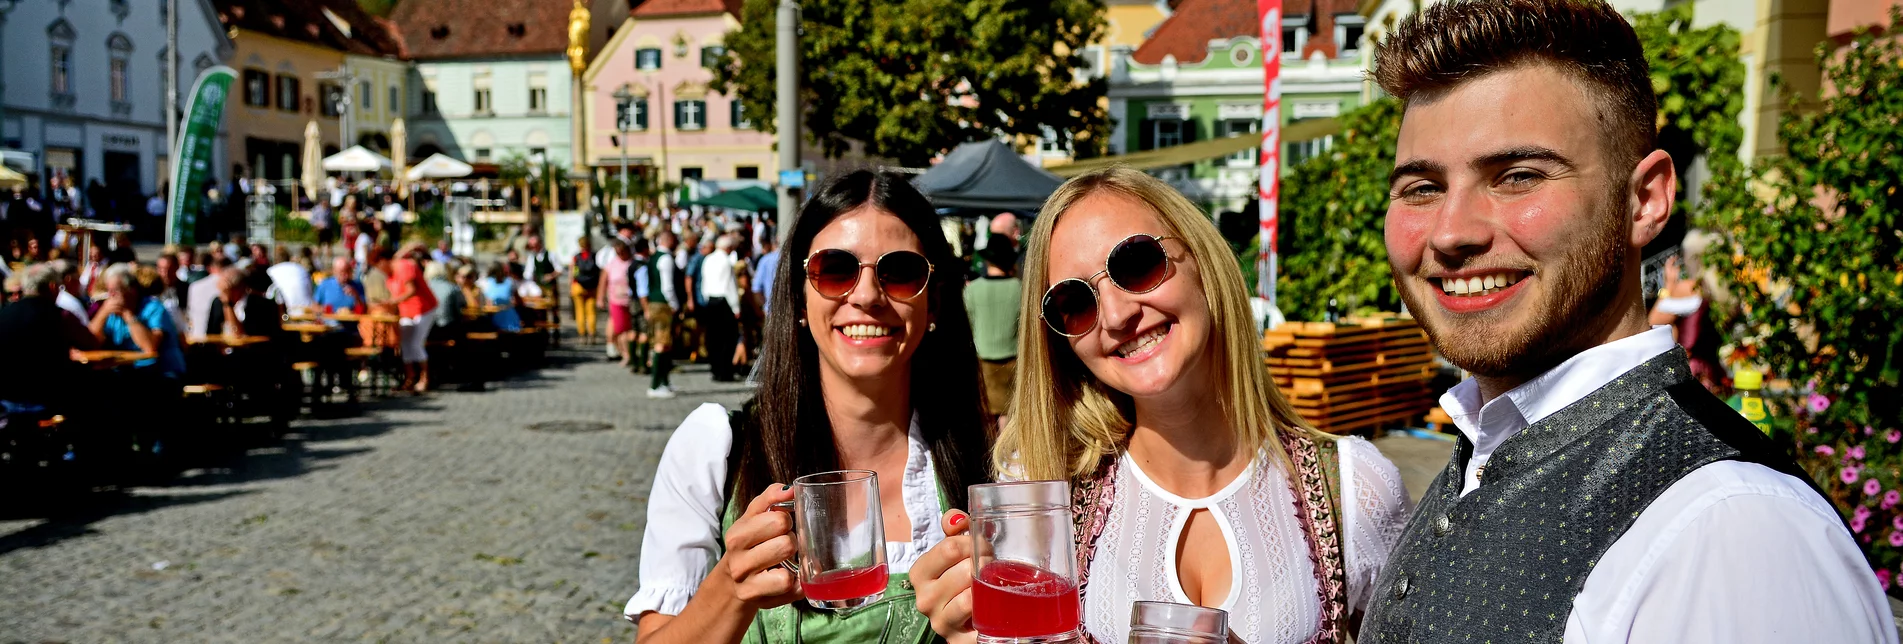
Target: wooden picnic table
[
  {"x": 109, "y": 358},
  {"x": 230, "y": 342},
  {"x": 307, "y": 330},
  {"x": 342, "y": 316}
]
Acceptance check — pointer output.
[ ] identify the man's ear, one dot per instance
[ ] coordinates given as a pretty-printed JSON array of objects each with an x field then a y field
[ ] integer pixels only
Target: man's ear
[{"x": 1653, "y": 188}]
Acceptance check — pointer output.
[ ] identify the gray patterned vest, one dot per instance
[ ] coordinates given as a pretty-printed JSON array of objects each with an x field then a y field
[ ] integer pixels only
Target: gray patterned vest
[{"x": 1505, "y": 562}]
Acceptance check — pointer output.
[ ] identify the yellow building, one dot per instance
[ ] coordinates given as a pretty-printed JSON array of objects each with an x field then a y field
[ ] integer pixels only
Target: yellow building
[{"x": 279, "y": 50}]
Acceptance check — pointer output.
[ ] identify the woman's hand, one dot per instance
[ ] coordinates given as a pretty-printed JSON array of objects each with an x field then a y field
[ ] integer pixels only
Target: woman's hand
[
  {"x": 943, "y": 579},
  {"x": 756, "y": 544}
]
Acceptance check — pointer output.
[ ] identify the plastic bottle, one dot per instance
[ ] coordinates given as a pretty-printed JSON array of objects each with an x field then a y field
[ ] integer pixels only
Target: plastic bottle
[{"x": 1748, "y": 402}]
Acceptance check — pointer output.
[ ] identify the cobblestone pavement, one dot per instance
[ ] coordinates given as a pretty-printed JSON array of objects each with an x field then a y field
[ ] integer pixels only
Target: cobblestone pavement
[{"x": 433, "y": 519}]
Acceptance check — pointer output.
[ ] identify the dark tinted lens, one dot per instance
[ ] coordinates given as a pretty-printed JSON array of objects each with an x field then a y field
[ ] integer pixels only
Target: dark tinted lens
[
  {"x": 1070, "y": 307},
  {"x": 1138, "y": 265},
  {"x": 832, "y": 272},
  {"x": 904, "y": 274}
]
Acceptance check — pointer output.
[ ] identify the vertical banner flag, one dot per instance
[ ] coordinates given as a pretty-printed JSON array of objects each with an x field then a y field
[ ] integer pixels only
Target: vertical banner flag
[
  {"x": 1268, "y": 189},
  {"x": 191, "y": 153}
]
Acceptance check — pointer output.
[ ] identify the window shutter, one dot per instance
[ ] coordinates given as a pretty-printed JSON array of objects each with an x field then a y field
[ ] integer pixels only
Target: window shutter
[
  {"x": 1146, "y": 134},
  {"x": 677, "y": 115},
  {"x": 1189, "y": 130}
]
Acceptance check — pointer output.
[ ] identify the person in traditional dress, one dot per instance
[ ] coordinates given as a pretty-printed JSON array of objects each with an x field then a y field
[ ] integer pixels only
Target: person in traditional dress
[
  {"x": 1597, "y": 492},
  {"x": 1141, "y": 382},
  {"x": 867, "y": 369}
]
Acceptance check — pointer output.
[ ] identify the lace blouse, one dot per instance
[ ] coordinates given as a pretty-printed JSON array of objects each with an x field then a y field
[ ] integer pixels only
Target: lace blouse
[{"x": 1272, "y": 598}]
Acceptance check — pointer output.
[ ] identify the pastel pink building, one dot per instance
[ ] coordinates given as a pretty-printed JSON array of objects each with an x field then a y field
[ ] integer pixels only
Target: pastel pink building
[{"x": 676, "y": 124}]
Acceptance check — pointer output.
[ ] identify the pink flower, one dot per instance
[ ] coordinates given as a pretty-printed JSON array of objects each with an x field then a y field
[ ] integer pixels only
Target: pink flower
[
  {"x": 1855, "y": 452},
  {"x": 1867, "y": 430},
  {"x": 1896, "y": 539},
  {"x": 1849, "y": 474},
  {"x": 1810, "y": 430},
  {"x": 1893, "y": 436},
  {"x": 1883, "y": 576},
  {"x": 1872, "y": 487},
  {"x": 1826, "y": 450},
  {"x": 1818, "y": 403},
  {"x": 1891, "y": 498},
  {"x": 1857, "y": 524},
  {"x": 1862, "y": 513},
  {"x": 1897, "y": 522}
]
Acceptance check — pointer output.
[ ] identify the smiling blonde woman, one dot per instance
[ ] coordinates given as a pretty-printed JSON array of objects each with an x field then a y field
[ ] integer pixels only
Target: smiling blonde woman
[{"x": 1142, "y": 383}]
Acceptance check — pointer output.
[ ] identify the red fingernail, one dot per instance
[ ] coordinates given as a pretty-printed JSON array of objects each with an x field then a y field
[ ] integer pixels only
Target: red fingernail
[{"x": 958, "y": 519}]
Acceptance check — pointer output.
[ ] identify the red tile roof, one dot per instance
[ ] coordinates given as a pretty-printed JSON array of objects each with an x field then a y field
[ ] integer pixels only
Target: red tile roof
[
  {"x": 304, "y": 21},
  {"x": 1187, "y": 32},
  {"x": 433, "y": 29},
  {"x": 665, "y": 8}
]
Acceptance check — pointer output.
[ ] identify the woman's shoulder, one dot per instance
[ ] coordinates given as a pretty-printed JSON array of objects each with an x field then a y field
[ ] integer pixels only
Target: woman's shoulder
[{"x": 704, "y": 437}]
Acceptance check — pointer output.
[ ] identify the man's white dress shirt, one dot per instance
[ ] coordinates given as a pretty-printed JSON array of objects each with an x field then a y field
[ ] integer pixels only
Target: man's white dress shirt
[{"x": 1733, "y": 552}]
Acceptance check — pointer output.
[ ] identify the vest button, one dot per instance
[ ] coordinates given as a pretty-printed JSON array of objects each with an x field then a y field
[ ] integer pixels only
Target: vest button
[
  {"x": 1443, "y": 525},
  {"x": 1401, "y": 586}
]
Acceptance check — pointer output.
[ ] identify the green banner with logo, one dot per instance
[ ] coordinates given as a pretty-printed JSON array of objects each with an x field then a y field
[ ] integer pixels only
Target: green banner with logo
[{"x": 191, "y": 153}]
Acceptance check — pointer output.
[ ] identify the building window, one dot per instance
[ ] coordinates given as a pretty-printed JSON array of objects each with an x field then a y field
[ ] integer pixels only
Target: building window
[
  {"x": 746, "y": 172},
  {"x": 538, "y": 99},
  {"x": 711, "y": 54},
  {"x": 482, "y": 154},
  {"x": 632, "y": 115},
  {"x": 118, "y": 76},
  {"x": 1294, "y": 36},
  {"x": 1234, "y": 127},
  {"x": 1048, "y": 143},
  {"x": 257, "y": 88},
  {"x": 647, "y": 58},
  {"x": 429, "y": 102},
  {"x": 539, "y": 153},
  {"x": 396, "y": 99},
  {"x": 484, "y": 102},
  {"x": 739, "y": 116},
  {"x": 1348, "y": 30},
  {"x": 690, "y": 172},
  {"x": 690, "y": 115},
  {"x": 288, "y": 91},
  {"x": 330, "y": 99},
  {"x": 365, "y": 98},
  {"x": 62, "y": 69},
  {"x": 1168, "y": 132},
  {"x": 1298, "y": 151}
]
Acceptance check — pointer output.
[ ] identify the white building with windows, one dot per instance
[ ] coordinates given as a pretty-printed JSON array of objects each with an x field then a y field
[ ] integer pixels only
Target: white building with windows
[
  {"x": 488, "y": 82},
  {"x": 83, "y": 88}
]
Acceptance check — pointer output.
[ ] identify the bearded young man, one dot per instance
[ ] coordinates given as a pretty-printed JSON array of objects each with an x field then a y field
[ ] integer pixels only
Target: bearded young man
[{"x": 1598, "y": 492}]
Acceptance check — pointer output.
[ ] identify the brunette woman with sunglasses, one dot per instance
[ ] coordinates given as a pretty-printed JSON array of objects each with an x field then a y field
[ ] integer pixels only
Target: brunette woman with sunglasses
[
  {"x": 1141, "y": 382},
  {"x": 868, "y": 365}
]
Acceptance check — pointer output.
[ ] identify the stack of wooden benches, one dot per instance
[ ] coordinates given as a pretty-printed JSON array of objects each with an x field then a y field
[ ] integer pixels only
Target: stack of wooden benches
[{"x": 1360, "y": 374}]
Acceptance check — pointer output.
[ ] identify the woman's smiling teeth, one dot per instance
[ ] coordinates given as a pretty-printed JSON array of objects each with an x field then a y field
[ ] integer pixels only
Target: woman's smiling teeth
[
  {"x": 866, "y": 331},
  {"x": 1143, "y": 342},
  {"x": 1481, "y": 284}
]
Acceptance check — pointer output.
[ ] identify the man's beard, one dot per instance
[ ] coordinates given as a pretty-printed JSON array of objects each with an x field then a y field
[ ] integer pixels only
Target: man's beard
[{"x": 1577, "y": 291}]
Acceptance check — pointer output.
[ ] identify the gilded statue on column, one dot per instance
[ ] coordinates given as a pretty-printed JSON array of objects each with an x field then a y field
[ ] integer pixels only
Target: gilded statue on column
[{"x": 578, "y": 38}]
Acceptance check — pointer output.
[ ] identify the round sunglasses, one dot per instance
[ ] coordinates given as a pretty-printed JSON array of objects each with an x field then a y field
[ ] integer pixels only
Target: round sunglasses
[
  {"x": 1138, "y": 265},
  {"x": 902, "y": 274}
]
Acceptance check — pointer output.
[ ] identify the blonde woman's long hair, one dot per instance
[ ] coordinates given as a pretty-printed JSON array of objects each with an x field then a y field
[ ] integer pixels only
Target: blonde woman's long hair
[{"x": 1065, "y": 422}]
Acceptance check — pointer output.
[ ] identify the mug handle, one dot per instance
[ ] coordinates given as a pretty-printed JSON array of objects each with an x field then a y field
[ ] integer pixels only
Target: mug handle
[{"x": 791, "y": 563}]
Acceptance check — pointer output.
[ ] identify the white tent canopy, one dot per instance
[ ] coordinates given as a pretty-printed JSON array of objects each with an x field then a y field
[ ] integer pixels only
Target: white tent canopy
[
  {"x": 356, "y": 159},
  {"x": 438, "y": 166}
]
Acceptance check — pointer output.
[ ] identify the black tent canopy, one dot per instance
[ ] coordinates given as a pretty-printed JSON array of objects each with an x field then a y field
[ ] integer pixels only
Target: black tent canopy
[{"x": 987, "y": 175}]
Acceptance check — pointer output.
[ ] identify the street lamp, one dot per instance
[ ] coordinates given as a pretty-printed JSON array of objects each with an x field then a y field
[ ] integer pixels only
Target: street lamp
[{"x": 624, "y": 117}]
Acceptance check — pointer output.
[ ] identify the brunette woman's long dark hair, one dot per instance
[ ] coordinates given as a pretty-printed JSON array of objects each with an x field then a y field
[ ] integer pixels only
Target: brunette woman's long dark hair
[{"x": 786, "y": 433}]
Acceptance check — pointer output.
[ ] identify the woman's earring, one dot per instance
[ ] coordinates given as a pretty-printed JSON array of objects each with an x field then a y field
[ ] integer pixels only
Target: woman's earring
[
  {"x": 931, "y": 327},
  {"x": 802, "y": 322}
]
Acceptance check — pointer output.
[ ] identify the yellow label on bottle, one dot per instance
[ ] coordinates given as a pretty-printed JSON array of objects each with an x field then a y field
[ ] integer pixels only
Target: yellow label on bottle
[{"x": 1752, "y": 408}]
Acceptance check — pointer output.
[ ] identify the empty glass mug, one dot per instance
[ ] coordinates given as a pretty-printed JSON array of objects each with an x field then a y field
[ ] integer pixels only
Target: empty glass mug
[
  {"x": 1024, "y": 563},
  {"x": 839, "y": 530},
  {"x": 1167, "y": 623}
]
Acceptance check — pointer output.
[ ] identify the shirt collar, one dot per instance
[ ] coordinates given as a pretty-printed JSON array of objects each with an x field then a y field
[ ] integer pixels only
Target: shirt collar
[{"x": 1486, "y": 426}]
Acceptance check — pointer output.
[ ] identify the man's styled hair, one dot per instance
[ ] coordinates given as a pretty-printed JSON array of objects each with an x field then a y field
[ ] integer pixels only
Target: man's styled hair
[{"x": 1451, "y": 43}]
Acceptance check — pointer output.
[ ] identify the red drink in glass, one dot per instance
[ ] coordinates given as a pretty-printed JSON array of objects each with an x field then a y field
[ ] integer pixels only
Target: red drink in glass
[
  {"x": 850, "y": 583},
  {"x": 1015, "y": 599}
]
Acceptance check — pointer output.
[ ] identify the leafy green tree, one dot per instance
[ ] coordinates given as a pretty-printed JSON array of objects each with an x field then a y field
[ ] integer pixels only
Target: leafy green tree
[
  {"x": 1699, "y": 81},
  {"x": 1812, "y": 244},
  {"x": 910, "y": 79},
  {"x": 1333, "y": 209}
]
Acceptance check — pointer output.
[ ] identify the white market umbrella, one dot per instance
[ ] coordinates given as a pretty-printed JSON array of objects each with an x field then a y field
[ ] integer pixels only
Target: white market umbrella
[
  {"x": 10, "y": 178},
  {"x": 438, "y": 166},
  {"x": 356, "y": 159},
  {"x": 313, "y": 176}
]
